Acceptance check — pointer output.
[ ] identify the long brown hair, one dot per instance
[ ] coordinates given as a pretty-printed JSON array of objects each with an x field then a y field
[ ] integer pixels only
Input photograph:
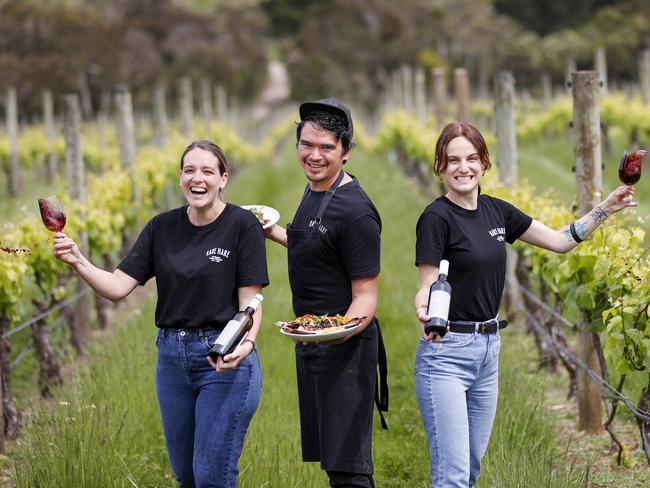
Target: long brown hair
[{"x": 460, "y": 129}]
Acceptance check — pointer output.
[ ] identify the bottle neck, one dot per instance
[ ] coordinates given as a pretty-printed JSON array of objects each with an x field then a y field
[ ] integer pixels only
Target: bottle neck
[{"x": 442, "y": 277}]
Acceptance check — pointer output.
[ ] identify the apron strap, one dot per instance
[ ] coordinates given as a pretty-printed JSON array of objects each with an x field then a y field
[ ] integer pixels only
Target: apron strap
[
  {"x": 381, "y": 386},
  {"x": 326, "y": 199},
  {"x": 328, "y": 196}
]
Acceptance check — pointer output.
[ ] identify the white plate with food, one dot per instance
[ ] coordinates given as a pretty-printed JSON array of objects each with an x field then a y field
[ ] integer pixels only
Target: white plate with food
[
  {"x": 317, "y": 328},
  {"x": 267, "y": 216}
]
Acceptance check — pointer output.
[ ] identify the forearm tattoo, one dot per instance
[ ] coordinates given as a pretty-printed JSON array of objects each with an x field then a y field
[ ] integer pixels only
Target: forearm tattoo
[
  {"x": 567, "y": 233},
  {"x": 580, "y": 229},
  {"x": 599, "y": 215}
]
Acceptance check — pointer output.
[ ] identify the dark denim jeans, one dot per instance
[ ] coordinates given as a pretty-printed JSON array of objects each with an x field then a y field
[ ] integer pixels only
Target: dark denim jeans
[{"x": 205, "y": 413}]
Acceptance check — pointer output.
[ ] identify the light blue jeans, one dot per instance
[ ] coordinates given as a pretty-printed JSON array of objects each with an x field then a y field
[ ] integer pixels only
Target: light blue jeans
[
  {"x": 456, "y": 381},
  {"x": 205, "y": 413}
]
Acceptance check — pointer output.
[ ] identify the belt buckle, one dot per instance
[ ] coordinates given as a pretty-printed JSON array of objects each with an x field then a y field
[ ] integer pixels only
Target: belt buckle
[{"x": 484, "y": 327}]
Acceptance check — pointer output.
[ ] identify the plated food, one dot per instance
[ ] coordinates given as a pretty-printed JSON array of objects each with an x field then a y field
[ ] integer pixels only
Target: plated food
[
  {"x": 320, "y": 327},
  {"x": 266, "y": 215}
]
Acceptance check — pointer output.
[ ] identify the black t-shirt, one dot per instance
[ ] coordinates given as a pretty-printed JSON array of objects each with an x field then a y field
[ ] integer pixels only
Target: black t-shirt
[
  {"x": 198, "y": 269},
  {"x": 473, "y": 241},
  {"x": 350, "y": 238}
]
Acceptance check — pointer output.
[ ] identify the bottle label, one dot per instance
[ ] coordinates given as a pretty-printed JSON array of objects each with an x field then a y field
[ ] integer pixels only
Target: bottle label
[
  {"x": 229, "y": 332},
  {"x": 439, "y": 304}
]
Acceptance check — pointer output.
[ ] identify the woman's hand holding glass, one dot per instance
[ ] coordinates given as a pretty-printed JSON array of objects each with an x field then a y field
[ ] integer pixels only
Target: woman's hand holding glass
[{"x": 65, "y": 249}]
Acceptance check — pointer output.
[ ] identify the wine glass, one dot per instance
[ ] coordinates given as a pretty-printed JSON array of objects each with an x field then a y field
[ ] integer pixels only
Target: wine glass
[
  {"x": 629, "y": 169},
  {"x": 52, "y": 213}
]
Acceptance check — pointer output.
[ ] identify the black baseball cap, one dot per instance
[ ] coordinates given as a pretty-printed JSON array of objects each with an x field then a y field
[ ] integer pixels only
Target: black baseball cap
[{"x": 328, "y": 105}]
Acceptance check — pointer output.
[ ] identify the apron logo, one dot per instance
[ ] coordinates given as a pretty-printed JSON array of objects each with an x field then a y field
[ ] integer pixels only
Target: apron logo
[
  {"x": 499, "y": 232},
  {"x": 321, "y": 228},
  {"x": 217, "y": 254}
]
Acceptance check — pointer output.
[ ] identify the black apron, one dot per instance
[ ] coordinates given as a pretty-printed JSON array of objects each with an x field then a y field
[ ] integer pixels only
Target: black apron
[{"x": 337, "y": 384}]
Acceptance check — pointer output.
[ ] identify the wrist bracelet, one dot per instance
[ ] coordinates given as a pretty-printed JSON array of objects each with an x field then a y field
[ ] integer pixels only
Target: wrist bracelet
[
  {"x": 252, "y": 342},
  {"x": 574, "y": 234}
]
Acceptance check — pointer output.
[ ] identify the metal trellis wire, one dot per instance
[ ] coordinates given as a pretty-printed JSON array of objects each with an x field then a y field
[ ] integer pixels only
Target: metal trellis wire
[
  {"x": 608, "y": 390},
  {"x": 42, "y": 315}
]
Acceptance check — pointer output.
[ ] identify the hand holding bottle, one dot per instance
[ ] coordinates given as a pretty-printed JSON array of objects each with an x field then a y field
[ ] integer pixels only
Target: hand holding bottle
[
  {"x": 231, "y": 361},
  {"x": 434, "y": 319},
  {"x": 233, "y": 345}
]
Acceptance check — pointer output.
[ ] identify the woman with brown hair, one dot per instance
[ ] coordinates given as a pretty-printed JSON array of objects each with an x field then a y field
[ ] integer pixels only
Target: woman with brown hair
[{"x": 456, "y": 374}]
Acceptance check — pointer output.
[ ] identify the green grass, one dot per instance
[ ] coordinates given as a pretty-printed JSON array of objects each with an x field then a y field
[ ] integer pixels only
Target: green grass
[{"x": 103, "y": 428}]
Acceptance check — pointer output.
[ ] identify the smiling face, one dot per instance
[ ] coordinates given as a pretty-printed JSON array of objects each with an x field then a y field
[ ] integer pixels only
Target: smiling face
[
  {"x": 464, "y": 168},
  {"x": 321, "y": 156},
  {"x": 201, "y": 180}
]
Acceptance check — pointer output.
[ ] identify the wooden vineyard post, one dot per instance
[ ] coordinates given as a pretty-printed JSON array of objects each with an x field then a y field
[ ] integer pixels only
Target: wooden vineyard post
[
  {"x": 396, "y": 98},
  {"x": 11, "y": 114},
  {"x": 508, "y": 174},
  {"x": 547, "y": 90},
  {"x": 159, "y": 114},
  {"x": 461, "y": 87},
  {"x": 571, "y": 68},
  {"x": 2, "y": 415},
  {"x": 52, "y": 160},
  {"x": 126, "y": 135},
  {"x": 160, "y": 133},
  {"x": 186, "y": 106},
  {"x": 76, "y": 187},
  {"x": 644, "y": 75},
  {"x": 506, "y": 129},
  {"x": 102, "y": 117},
  {"x": 206, "y": 105},
  {"x": 600, "y": 62},
  {"x": 440, "y": 96},
  {"x": 585, "y": 87},
  {"x": 11, "y": 415},
  {"x": 50, "y": 373},
  {"x": 420, "y": 94},
  {"x": 221, "y": 102},
  {"x": 407, "y": 87}
]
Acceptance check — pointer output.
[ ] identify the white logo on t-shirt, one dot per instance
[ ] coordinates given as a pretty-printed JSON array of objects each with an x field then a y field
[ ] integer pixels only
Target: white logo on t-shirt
[
  {"x": 217, "y": 254},
  {"x": 499, "y": 233}
]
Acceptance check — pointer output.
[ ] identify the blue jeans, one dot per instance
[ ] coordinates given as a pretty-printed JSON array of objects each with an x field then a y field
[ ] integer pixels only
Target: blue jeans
[
  {"x": 456, "y": 382},
  {"x": 205, "y": 413}
]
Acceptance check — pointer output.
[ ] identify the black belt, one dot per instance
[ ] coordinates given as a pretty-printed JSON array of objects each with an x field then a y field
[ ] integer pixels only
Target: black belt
[{"x": 465, "y": 327}]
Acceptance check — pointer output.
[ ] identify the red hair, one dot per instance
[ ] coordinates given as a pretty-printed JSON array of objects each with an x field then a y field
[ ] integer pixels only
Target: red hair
[{"x": 460, "y": 129}]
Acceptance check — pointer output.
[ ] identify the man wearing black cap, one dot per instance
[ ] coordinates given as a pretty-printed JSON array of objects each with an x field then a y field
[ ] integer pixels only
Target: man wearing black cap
[{"x": 333, "y": 255}]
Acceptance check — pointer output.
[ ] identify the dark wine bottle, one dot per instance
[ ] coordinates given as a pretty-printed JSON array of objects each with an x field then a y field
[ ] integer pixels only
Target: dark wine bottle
[
  {"x": 439, "y": 300},
  {"x": 235, "y": 329}
]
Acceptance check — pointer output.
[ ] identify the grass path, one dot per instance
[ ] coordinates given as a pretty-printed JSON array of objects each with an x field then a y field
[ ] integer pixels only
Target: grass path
[{"x": 103, "y": 429}]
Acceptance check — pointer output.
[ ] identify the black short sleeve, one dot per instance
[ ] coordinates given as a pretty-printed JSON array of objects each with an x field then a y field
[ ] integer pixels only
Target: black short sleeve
[
  {"x": 517, "y": 222},
  {"x": 360, "y": 247},
  {"x": 431, "y": 237},
  {"x": 251, "y": 263},
  {"x": 139, "y": 263}
]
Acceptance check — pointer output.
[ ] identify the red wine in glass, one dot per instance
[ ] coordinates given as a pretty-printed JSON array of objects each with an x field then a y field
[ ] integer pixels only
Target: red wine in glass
[
  {"x": 629, "y": 169},
  {"x": 52, "y": 213}
]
